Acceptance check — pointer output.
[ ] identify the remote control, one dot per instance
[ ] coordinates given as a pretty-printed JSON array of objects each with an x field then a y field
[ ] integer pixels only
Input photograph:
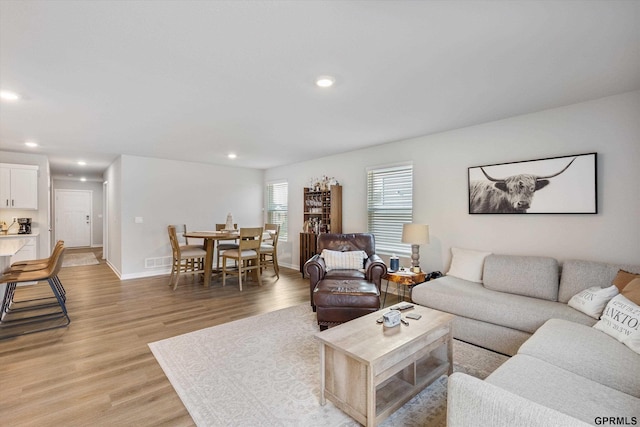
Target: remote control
[{"x": 404, "y": 306}]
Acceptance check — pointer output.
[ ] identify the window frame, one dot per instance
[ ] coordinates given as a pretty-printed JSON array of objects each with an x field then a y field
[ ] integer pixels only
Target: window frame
[
  {"x": 270, "y": 209},
  {"x": 392, "y": 214}
]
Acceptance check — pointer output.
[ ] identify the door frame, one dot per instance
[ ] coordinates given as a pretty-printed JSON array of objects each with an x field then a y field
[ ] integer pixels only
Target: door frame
[
  {"x": 59, "y": 190},
  {"x": 105, "y": 220}
]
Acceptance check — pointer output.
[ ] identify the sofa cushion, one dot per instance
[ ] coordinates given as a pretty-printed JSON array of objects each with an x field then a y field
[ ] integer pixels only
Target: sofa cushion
[
  {"x": 467, "y": 264},
  {"x": 623, "y": 278},
  {"x": 593, "y": 300},
  {"x": 632, "y": 291},
  {"x": 344, "y": 274},
  {"x": 587, "y": 352},
  {"x": 621, "y": 320},
  {"x": 579, "y": 275},
  {"x": 474, "y": 301},
  {"x": 473, "y": 402},
  {"x": 562, "y": 390},
  {"x": 530, "y": 276}
]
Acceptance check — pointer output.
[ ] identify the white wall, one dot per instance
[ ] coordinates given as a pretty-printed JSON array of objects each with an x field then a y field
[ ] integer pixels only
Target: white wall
[
  {"x": 96, "y": 199},
  {"x": 164, "y": 192},
  {"x": 609, "y": 126},
  {"x": 39, "y": 218}
]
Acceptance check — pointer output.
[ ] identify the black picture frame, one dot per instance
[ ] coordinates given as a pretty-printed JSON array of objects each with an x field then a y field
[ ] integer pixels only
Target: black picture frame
[{"x": 554, "y": 185}]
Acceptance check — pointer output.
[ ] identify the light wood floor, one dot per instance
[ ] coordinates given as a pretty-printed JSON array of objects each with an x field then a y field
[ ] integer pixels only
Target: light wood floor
[{"x": 99, "y": 370}]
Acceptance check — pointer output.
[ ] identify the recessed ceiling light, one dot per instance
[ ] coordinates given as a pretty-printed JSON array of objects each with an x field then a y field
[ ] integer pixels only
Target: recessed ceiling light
[
  {"x": 82, "y": 163},
  {"x": 83, "y": 179},
  {"x": 31, "y": 144},
  {"x": 9, "y": 96},
  {"x": 232, "y": 155},
  {"x": 325, "y": 81}
]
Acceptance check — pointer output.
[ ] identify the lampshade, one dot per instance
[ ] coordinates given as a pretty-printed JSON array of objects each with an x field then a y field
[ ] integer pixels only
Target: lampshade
[{"x": 416, "y": 234}]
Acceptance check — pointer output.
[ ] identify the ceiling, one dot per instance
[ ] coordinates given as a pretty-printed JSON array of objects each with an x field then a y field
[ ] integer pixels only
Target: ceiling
[{"x": 196, "y": 80}]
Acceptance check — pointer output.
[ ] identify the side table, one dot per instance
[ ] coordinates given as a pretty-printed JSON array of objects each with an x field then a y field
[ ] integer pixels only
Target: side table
[{"x": 404, "y": 279}]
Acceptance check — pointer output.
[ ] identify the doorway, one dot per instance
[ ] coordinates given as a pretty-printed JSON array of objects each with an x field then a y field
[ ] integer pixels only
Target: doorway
[{"x": 73, "y": 217}]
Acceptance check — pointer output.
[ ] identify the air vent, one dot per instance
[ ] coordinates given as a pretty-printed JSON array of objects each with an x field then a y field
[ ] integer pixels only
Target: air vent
[{"x": 158, "y": 262}]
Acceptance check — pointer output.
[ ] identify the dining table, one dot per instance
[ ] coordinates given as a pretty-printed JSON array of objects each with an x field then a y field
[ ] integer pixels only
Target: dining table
[{"x": 210, "y": 238}]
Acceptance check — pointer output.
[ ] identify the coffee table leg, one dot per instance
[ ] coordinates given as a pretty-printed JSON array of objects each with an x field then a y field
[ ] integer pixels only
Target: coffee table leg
[
  {"x": 322, "y": 375},
  {"x": 450, "y": 351},
  {"x": 371, "y": 398}
]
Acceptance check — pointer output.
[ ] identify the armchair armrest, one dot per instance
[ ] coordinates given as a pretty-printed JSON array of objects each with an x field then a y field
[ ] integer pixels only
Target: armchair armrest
[
  {"x": 375, "y": 268},
  {"x": 316, "y": 270}
]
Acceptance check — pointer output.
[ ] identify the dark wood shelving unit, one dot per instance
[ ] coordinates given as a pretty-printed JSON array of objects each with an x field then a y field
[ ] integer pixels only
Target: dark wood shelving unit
[{"x": 322, "y": 211}]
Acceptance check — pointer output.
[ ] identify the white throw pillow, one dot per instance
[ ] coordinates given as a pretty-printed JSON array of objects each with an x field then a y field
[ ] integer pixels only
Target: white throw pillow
[
  {"x": 467, "y": 264},
  {"x": 592, "y": 301},
  {"x": 349, "y": 260},
  {"x": 621, "y": 320}
]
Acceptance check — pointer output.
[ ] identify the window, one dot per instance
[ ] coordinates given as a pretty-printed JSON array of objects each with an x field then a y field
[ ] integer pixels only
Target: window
[
  {"x": 389, "y": 205},
  {"x": 277, "y": 208}
]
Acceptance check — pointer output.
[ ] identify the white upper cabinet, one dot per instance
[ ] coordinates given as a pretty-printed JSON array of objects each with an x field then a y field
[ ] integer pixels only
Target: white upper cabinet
[{"x": 18, "y": 186}]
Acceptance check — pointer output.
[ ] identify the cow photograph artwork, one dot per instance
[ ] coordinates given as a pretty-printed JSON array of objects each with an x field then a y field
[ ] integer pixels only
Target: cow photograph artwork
[{"x": 554, "y": 185}]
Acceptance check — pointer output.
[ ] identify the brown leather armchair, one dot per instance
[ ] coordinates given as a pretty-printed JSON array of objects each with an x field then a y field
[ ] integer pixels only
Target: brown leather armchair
[{"x": 346, "y": 294}]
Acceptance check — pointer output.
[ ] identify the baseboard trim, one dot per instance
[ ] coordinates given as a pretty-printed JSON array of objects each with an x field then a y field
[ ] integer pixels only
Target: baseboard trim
[
  {"x": 114, "y": 269},
  {"x": 144, "y": 274}
]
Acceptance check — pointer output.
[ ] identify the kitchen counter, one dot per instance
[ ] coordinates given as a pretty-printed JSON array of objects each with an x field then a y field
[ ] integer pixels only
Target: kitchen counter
[
  {"x": 14, "y": 235},
  {"x": 9, "y": 247},
  {"x": 28, "y": 248}
]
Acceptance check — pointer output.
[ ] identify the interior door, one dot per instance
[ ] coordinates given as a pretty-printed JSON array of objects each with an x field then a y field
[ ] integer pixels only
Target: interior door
[{"x": 73, "y": 217}]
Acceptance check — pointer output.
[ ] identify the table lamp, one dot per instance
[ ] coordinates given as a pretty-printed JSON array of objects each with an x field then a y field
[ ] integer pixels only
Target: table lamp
[{"x": 416, "y": 234}]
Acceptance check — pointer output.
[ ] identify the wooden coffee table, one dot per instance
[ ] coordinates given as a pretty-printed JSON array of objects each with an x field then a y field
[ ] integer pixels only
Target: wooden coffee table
[{"x": 369, "y": 371}]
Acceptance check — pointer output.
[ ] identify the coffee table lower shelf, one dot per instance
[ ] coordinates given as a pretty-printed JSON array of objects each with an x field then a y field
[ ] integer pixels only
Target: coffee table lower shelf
[{"x": 395, "y": 392}]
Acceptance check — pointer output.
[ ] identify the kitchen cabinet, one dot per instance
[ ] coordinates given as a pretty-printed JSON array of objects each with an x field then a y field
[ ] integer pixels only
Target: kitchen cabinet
[
  {"x": 28, "y": 251},
  {"x": 18, "y": 186}
]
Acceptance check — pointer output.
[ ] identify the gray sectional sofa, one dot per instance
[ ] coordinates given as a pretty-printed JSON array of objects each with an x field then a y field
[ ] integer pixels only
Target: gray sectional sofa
[
  {"x": 563, "y": 372},
  {"x": 517, "y": 296}
]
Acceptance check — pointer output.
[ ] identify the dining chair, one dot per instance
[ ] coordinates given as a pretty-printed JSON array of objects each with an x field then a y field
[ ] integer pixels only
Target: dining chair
[
  {"x": 181, "y": 230},
  {"x": 223, "y": 245},
  {"x": 269, "y": 249},
  {"x": 247, "y": 255},
  {"x": 187, "y": 259}
]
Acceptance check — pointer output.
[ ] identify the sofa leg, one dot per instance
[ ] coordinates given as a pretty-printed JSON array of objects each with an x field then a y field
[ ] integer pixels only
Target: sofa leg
[
  {"x": 313, "y": 307},
  {"x": 323, "y": 327}
]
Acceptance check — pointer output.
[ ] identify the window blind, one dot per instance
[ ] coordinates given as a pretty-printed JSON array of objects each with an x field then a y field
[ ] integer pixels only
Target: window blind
[
  {"x": 389, "y": 206},
  {"x": 277, "y": 207}
]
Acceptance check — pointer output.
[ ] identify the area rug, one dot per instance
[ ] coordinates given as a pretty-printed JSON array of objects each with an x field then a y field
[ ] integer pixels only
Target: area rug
[
  {"x": 74, "y": 260},
  {"x": 264, "y": 371}
]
